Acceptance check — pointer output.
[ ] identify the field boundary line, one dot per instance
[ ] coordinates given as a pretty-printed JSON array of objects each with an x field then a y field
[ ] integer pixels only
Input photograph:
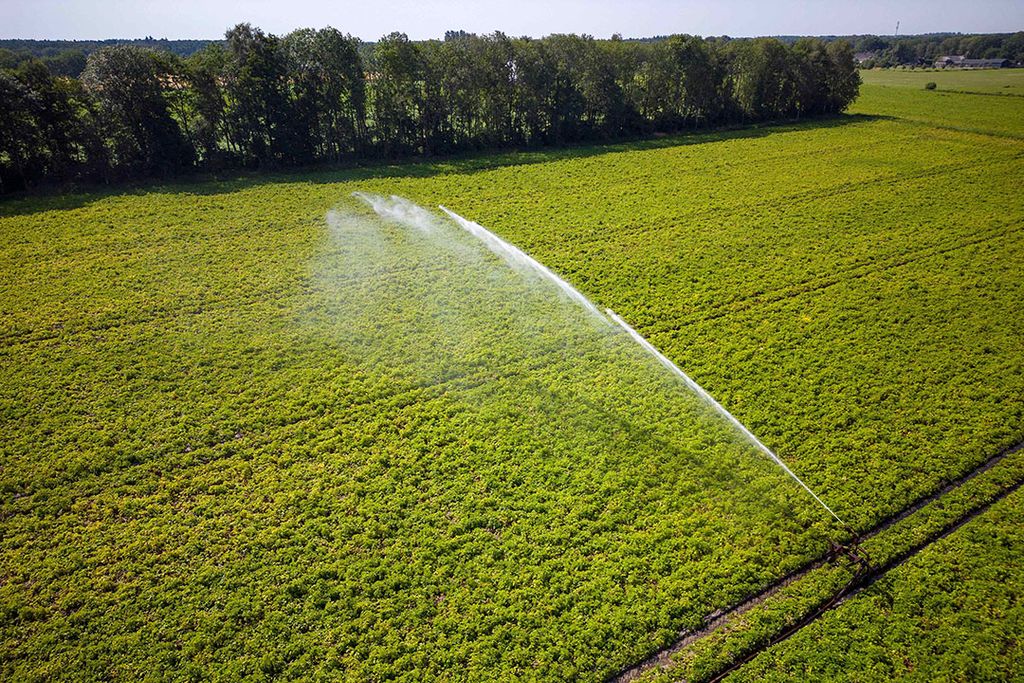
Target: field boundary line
[
  {"x": 719, "y": 618},
  {"x": 984, "y": 94},
  {"x": 867, "y": 579}
]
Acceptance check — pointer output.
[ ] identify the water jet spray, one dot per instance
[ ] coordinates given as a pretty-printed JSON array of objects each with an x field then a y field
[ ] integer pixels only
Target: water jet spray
[
  {"x": 699, "y": 390},
  {"x": 403, "y": 210},
  {"x": 520, "y": 260}
]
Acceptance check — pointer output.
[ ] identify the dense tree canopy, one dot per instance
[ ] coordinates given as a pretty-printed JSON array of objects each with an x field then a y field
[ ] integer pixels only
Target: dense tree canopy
[
  {"x": 135, "y": 120},
  {"x": 256, "y": 99},
  {"x": 893, "y": 51}
]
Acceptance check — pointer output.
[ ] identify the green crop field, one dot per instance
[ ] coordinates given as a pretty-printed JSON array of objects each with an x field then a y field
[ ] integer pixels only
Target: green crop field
[
  {"x": 952, "y": 612},
  {"x": 253, "y": 430}
]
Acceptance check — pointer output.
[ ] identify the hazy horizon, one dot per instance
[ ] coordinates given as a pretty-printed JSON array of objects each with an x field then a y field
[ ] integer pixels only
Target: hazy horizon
[{"x": 424, "y": 19}]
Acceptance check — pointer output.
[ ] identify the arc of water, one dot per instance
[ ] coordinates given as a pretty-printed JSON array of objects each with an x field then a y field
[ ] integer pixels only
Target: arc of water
[
  {"x": 699, "y": 390},
  {"x": 520, "y": 260}
]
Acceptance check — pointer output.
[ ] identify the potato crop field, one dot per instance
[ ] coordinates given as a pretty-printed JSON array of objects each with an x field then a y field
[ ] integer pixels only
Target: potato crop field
[{"x": 255, "y": 429}]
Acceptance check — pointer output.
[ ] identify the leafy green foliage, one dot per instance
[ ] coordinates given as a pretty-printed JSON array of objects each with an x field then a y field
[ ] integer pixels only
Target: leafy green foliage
[
  {"x": 262, "y": 100},
  {"x": 144, "y": 138},
  {"x": 240, "y": 445},
  {"x": 951, "y": 612}
]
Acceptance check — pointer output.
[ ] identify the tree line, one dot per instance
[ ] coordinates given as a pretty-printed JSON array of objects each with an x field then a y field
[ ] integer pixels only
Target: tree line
[
  {"x": 892, "y": 51},
  {"x": 259, "y": 100},
  {"x": 53, "y": 48}
]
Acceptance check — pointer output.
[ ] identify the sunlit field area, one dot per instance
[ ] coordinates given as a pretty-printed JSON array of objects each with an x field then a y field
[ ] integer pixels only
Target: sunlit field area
[
  {"x": 995, "y": 81},
  {"x": 255, "y": 428}
]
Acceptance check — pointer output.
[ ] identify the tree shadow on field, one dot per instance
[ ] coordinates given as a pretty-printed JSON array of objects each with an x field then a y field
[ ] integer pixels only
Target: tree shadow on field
[{"x": 48, "y": 199}]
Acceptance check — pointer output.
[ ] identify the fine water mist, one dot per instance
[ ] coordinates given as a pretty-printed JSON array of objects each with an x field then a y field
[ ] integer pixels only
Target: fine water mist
[
  {"x": 485, "y": 432},
  {"x": 399, "y": 209},
  {"x": 520, "y": 260},
  {"x": 531, "y": 333},
  {"x": 707, "y": 398}
]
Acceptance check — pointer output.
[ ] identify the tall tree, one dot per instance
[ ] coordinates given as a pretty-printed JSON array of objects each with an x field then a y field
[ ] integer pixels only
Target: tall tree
[
  {"x": 534, "y": 77},
  {"x": 496, "y": 57},
  {"x": 212, "y": 134},
  {"x": 397, "y": 93},
  {"x": 626, "y": 60},
  {"x": 563, "y": 56},
  {"x": 19, "y": 134},
  {"x": 842, "y": 82},
  {"x": 661, "y": 82},
  {"x": 701, "y": 94},
  {"x": 329, "y": 88},
  {"x": 140, "y": 132},
  {"x": 441, "y": 104},
  {"x": 258, "y": 99},
  {"x": 259, "y": 108},
  {"x": 763, "y": 79},
  {"x": 811, "y": 67}
]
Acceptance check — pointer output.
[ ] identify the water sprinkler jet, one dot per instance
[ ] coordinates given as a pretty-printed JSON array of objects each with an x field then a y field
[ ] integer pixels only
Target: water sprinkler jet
[
  {"x": 699, "y": 390},
  {"x": 520, "y": 260},
  {"x": 396, "y": 208}
]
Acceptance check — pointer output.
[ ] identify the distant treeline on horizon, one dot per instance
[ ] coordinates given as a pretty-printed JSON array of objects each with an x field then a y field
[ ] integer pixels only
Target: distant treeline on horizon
[
  {"x": 312, "y": 96},
  {"x": 925, "y": 46}
]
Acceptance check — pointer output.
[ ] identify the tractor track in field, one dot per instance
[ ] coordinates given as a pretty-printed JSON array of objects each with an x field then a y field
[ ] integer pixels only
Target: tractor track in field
[
  {"x": 714, "y": 621},
  {"x": 865, "y": 580},
  {"x": 846, "y": 275}
]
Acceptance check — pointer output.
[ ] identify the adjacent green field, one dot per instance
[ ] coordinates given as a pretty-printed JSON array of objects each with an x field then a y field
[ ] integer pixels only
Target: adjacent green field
[
  {"x": 965, "y": 112},
  {"x": 996, "y": 81},
  {"x": 246, "y": 440}
]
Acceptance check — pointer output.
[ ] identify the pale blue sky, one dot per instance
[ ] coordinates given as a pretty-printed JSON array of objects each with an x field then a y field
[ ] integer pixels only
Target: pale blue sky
[{"x": 370, "y": 19}]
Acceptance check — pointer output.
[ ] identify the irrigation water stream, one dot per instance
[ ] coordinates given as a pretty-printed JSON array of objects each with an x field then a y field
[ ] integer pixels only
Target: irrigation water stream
[
  {"x": 522, "y": 262},
  {"x": 706, "y": 397}
]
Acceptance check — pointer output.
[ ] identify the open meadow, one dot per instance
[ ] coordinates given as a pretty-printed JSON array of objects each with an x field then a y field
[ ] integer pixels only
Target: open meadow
[
  {"x": 991, "y": 81},
  {"x": 254, "y": 428}
]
